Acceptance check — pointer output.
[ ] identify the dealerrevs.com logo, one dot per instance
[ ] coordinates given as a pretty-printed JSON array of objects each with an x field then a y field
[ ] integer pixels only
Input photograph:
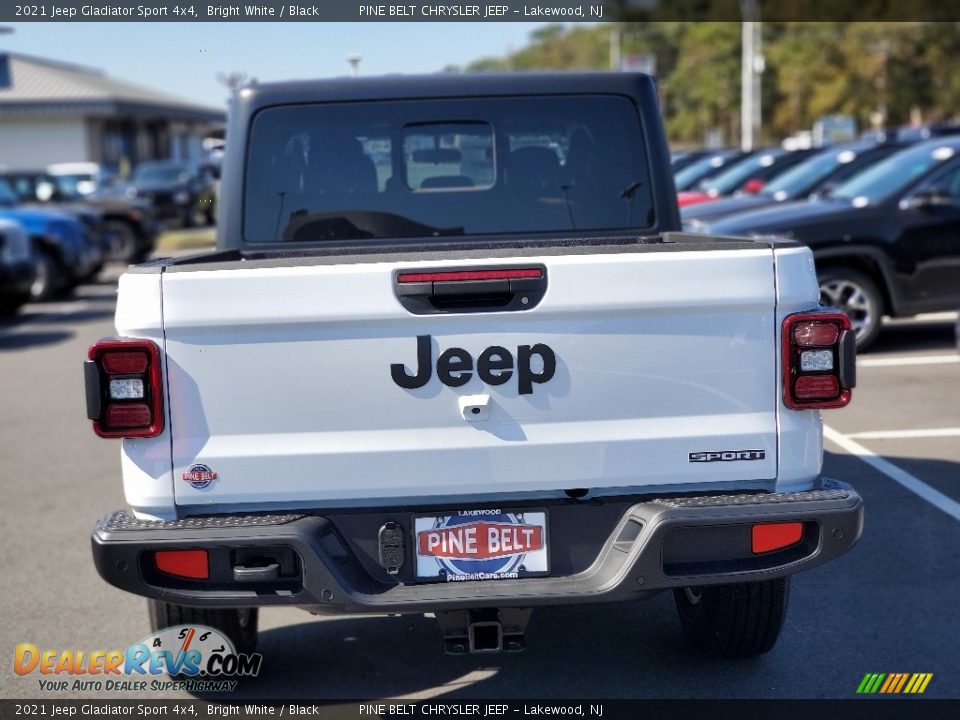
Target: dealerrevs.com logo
[{"x": 201, "y": 659}]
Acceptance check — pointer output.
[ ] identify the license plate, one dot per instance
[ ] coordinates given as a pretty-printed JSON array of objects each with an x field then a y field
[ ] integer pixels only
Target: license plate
[{"x": 481, "y": 545}]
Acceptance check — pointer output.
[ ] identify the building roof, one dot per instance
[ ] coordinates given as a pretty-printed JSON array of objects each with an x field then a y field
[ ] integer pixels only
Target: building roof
[{"x": 32, "y": 84}]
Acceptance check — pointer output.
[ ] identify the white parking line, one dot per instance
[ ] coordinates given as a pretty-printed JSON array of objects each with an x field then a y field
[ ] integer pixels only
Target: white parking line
[
  {"x": 913, "y": 484},
  {"x": 909, "y": 360},
  {"x": 460, "y": 683},
  {"x": 905, "y": 434},
  {"x": 928, "y": 317}
]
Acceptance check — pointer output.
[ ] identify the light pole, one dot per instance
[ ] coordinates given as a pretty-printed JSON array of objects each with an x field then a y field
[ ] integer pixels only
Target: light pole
[
  {"x": 751, "y": 67},
  {"x": 614, "y": 38},
  {"x": 354, "y": 60}
]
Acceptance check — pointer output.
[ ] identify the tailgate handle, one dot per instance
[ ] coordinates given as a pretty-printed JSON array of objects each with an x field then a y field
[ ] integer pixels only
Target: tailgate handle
[{"x": 478, "y": 289}]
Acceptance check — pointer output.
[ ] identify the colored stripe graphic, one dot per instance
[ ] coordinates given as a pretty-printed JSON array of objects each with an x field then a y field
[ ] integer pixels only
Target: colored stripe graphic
[
  {"x": 871, "y": 683},
  {"x": 891, "y": 680},
  {"x": 894, "y": 683}
]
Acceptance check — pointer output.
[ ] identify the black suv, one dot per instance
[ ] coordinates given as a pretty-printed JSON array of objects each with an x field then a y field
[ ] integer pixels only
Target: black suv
[
  {"x": 176, "y": 192},
  {"x": 887, "y": 242}
]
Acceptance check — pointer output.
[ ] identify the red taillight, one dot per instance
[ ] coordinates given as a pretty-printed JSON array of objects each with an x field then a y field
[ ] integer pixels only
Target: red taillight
[
  {"x": 183, "y": 563},
  {"x": 775, "y": 536},
  {"x": 121, "y": 363},
  {"x": 465, "y": 275},
  {"x": 808, "y": 334},
  {"x": 819, "y": 360},
  {"x": 124, "y": 391},
  {"x": 753, "y": 186}
]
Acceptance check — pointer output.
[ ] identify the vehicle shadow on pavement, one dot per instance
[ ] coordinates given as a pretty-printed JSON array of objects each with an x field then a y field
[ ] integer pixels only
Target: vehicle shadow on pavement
[
  {"x": 82, "y": 316},
  {"x": 24, "y": 340},
  {"x": 627, "y": 650},
  {"x": 101, "y": 296},
  {"x": 915, "y": 336}
]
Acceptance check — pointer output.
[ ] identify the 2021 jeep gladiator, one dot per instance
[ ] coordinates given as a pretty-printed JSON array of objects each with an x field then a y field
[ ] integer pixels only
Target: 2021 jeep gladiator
[{"x": 453, "y": 356}]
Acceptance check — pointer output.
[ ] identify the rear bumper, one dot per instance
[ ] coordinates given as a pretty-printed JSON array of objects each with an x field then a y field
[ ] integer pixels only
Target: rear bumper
[{"x": 656, "y": 543}]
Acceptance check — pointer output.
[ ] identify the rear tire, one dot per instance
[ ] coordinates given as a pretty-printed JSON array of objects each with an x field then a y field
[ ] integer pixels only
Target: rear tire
[
  {"x": 857, "y": 296},
  {"x": 48, "y": 281},
  {"x": 238, "y": 624},
  {"x": 124, "y": 243},
  {"x": 734, "y": 621},
  {"x": 11, "y": 306}
]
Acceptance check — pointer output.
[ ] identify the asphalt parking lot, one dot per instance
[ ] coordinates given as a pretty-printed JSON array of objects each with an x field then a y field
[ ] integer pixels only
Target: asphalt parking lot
[{"x": 888, "y": 606}]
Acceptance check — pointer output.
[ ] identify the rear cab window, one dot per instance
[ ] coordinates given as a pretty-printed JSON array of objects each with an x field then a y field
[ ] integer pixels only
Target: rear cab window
[{"x": 446, "y": 168}]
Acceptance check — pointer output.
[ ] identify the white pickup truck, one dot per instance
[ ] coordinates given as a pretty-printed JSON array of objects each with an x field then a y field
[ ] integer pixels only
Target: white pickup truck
[{"x": 452, "y": 356}]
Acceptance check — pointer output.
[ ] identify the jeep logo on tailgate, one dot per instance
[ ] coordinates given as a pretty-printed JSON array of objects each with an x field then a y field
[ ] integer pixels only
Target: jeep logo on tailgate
[{"x": 495, "y": 366}]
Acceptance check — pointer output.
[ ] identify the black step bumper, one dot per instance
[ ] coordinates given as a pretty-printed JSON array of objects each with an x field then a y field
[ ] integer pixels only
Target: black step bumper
[{"x": 653, "y": 544}]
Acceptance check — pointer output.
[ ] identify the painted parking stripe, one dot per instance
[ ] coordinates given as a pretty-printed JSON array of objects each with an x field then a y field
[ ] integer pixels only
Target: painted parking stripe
[
  {"x": 913, "y": 484},
  {"x": 909, "y": 360},
  {"x": 905, "y": 434}
]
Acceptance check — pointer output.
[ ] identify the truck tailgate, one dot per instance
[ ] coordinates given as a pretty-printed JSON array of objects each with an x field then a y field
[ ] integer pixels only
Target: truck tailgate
[{"x": 280, "y": 381}]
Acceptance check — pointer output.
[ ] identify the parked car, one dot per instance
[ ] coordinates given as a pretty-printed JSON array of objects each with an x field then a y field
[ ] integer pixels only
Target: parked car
[
  {"x": 66, "y": 255},
  {"x": 176, "y": 192},
  {"x": 887, "y": 242},
  {"x": 821, "y": 173},
  {"x": 926, "y": 132},
  {"x": 80, "y": 178},
  {"x": 43, "y": 192},
  {"x": 17, "y": 267},
  {"x": 127, "y": 229},
  {"x": 748, "y": 177},
  {"x": 684, "y": 158},
  {"x": 711, "y": 164}
]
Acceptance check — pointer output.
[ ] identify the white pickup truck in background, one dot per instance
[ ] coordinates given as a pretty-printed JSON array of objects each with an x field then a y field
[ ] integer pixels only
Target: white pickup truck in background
[{"x": 452, "y": 356}]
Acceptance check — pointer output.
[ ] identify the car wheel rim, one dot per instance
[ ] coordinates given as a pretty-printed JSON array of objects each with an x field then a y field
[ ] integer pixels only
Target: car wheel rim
[
  {"x": 41, "y": 279},
  {"x": 852, "y": 300},
  {"x": 693, "y": 595}
]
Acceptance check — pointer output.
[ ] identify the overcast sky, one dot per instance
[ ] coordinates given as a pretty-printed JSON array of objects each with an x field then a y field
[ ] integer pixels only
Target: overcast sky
[{"x": 184, "y": 58}]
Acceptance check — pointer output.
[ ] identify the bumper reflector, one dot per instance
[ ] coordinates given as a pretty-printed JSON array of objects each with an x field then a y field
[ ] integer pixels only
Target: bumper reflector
[
  {"x": 775, "y": 536},
  {"x": 183, "y": 563}
]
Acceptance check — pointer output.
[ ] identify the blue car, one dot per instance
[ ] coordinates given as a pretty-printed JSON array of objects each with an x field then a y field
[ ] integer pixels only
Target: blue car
[
  {"x": 17, "y": 267},
  {"x": 66, "y": 255}
]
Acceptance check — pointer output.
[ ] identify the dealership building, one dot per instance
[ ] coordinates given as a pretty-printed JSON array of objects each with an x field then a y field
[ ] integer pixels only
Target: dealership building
[{"x": 51, "y": 112}]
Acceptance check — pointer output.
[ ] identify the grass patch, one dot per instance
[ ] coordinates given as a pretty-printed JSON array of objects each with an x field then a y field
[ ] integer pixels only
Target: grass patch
[{"x": 200, "y": 238}]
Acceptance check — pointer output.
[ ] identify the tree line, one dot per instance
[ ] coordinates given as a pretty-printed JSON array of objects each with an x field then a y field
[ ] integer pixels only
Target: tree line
[{"x": 883, "y": 74}]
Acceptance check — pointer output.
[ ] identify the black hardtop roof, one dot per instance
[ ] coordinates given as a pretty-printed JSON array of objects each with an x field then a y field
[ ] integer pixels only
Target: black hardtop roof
[
  {"x": 442, "y": 85},
  {"x": 248, "y": 101}
]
